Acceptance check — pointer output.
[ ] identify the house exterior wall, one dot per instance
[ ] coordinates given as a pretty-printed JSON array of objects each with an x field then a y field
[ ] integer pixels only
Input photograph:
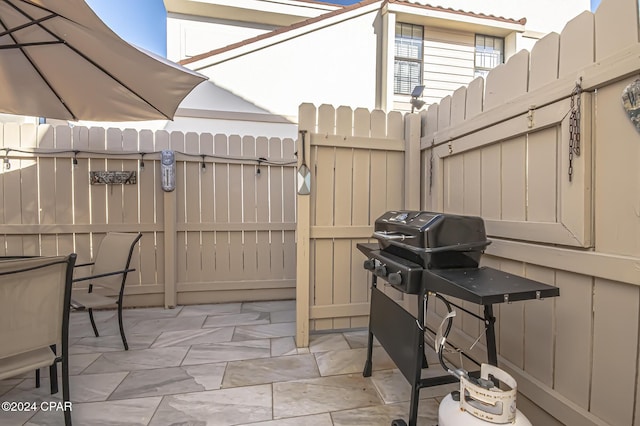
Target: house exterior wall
[
  {"x": 370, "y": 55},
  {"x": 211, "y": 109},
  {"x": 326, "y": 64},
  {"x": 195, "y": 27},
  {"x": 448, "y": 62},
  {"x": 362, "y": 47}
]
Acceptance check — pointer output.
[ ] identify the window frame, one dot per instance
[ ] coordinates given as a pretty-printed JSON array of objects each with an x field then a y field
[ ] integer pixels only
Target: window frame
[
  {"x": 484, "y": 70},
  {"x": 397, "y": 90}
]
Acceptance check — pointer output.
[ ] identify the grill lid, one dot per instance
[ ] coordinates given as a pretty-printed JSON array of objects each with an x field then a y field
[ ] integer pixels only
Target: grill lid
[{"x": 434, "y": 240}]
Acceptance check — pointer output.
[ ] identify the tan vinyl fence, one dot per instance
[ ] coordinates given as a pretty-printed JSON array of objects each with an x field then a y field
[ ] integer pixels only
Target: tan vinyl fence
[
  {"x": 225, "y": 233},
  {"x": 501, "y": 150},
  {"x": 564, "y": 217}
]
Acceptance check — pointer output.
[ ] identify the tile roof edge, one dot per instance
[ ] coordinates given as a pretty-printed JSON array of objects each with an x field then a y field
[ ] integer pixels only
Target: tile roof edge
[{"x": 521, "y": 21}]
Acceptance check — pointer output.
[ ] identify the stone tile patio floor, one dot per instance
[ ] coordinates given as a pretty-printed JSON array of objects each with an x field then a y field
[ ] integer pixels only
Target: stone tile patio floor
[{"x": 225, "y": 364}]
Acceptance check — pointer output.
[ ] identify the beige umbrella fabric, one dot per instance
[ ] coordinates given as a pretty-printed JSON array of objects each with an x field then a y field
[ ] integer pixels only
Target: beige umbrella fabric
[{"x": 59, "y": 60}]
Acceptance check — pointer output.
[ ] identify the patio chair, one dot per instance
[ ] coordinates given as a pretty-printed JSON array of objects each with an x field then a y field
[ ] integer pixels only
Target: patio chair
[
  {"x": 108, "y": 270},
  {"x": 35, "y": 296}
]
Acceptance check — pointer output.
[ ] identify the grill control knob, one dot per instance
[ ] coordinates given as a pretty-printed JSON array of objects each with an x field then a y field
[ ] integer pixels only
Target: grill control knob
[
  {"x": 394, "y": 278},
  {"x": 381, "y": 271},
  {"x": 369, "y": 264}
]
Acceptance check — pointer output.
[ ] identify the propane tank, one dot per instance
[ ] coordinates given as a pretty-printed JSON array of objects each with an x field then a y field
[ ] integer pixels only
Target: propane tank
[{"x": 480, "y": 402}]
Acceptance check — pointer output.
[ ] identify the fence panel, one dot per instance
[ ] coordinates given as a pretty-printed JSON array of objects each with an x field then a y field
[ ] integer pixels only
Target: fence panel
[{"x": 222, "y": 246}]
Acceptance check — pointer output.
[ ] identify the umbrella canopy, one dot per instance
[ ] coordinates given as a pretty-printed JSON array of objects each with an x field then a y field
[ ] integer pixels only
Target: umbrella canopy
[{"x": 59, "y": 60}]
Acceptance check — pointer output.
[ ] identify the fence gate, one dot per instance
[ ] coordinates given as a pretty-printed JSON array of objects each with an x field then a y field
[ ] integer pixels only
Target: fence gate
[{"x": 360, "y": 165}]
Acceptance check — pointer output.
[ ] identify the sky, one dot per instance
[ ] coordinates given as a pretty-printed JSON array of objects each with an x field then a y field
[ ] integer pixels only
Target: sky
[
  {"x": 144, "y": 22},
  {"x": 140, "y": 22}
]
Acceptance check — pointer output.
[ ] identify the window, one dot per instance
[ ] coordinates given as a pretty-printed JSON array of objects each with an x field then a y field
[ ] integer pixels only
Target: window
[
  {"x": 408, "y": 58},
  {"x": 489, "y": 54}
]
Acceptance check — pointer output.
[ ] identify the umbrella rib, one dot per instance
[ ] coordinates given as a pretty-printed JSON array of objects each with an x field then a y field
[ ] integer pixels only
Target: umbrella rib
[
  {"x": 28, "y": 24},
  {"x": 26, "y": 55},
  {"x": 21, "y": 45}
]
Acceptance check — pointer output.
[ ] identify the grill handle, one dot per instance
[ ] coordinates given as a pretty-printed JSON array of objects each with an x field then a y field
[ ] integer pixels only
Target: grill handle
[{"x": 397, "y": 236}]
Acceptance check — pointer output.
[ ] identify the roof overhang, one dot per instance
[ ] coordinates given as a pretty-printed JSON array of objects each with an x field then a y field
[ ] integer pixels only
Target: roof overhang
[
  {"x": 275, "y": 12},
  {"x": 456, "y": 20}
]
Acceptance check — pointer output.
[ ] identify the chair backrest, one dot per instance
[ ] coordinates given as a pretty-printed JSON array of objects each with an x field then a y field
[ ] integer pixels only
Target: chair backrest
[
  {"x": 114, "y": 254},
  {"x": 35, "y": 294}
]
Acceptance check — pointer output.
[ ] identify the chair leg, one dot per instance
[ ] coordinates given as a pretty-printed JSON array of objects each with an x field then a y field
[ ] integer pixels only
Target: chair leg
[
  {"x": 124, "y": 339},
  {"x": 37, "y": 377},
  {"x": 53, "y": 377},
  {"x": 93, "y": 323},
  {"x": 53, "y": 374},
  {"x": 65, "y": 390}
]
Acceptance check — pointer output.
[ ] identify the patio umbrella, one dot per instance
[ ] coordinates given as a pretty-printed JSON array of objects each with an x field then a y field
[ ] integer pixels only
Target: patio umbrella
[{"x": 59, "y": 60}]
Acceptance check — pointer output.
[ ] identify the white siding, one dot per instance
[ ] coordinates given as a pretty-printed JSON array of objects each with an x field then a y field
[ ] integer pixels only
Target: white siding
[{"x": 448, "y": 64}]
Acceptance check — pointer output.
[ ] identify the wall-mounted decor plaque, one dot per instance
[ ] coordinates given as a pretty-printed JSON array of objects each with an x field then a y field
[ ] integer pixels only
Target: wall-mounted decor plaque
[
  {"x": 631, "y": 102},
  {"x": 112, "y": 178}
]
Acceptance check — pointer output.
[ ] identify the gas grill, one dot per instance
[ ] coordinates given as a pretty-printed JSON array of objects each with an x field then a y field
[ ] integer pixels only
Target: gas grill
[
  {"x": 427, "y": 253},
  {"x": 412, "y": 241}
]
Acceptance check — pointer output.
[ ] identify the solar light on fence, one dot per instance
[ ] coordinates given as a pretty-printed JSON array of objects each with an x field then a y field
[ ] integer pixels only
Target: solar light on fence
[{"x": 415, "y": 102}]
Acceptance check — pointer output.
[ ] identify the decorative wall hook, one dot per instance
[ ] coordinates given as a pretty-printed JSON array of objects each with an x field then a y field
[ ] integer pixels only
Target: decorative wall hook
[
  {"x": 260, "y": 160},
  {"x": 530, "y": 114}
]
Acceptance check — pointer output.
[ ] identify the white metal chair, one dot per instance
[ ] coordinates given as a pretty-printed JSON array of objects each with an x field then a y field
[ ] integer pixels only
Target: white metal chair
[
  {"x": 108, "y": 270},
  {"x": 35, "y": 296}
]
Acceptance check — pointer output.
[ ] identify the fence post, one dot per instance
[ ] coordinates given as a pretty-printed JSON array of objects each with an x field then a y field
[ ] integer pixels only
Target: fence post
[
  {"x": 307, "y": 123},
  {"x": 412, "y": 135},
  {"x": 170, "y": 249}
]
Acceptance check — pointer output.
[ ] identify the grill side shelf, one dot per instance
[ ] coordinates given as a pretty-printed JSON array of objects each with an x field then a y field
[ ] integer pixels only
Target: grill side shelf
[{"x": 485, "y": 286}]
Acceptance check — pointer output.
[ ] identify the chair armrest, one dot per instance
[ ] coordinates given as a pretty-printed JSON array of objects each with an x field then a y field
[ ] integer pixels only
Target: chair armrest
[
  {"x": 107, "y": 274},
  {"x": 84, "y": 264}
]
